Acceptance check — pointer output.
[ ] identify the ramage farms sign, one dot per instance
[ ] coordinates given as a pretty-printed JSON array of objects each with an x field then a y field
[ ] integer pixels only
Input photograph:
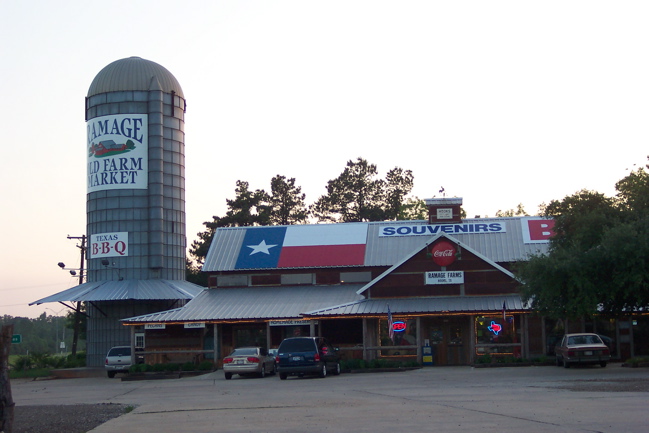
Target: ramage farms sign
[{"x": 117, "y": 149}]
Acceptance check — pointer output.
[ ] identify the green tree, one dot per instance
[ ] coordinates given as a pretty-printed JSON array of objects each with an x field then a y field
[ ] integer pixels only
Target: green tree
[
  {"x": 581, "y": 219},
  {"x": 519, "y": 211},
  {"x": 248, "y": 208},
  {"x": 598, "y": 259},
  {"x": 413, "y": 209},
  {"x": 40, "y": 335},
  {"x": 283, "y": 206},
  {"x": 358, "y": 195},
  {"x": 355, "y": 195},
  {"x": 398, "y": 184},
  {"x": 633, "y": 193},
  {"x": 286, "y": 202}
]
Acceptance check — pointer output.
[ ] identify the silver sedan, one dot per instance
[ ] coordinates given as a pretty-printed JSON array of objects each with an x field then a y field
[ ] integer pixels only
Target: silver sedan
[{"x": 248, "y": 361}]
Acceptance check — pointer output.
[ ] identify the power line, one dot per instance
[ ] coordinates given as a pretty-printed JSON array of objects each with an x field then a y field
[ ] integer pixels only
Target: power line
[{"x": 30, "y": 287}]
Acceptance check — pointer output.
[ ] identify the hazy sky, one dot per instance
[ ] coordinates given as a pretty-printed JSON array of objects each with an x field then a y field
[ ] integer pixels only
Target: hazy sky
[{"x": 500, "y": 102}]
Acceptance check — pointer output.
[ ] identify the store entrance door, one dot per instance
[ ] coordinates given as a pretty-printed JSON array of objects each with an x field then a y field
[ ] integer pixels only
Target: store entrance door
[{"x": 448, "y": 338}]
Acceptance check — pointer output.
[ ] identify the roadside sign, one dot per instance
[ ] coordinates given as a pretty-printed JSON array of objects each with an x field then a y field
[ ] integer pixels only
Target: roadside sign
[{"x": 16, "y": 338}]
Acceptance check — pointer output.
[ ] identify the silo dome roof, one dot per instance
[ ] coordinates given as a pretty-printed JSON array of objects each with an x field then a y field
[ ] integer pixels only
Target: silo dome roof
[{"x": 134, "y": 73}]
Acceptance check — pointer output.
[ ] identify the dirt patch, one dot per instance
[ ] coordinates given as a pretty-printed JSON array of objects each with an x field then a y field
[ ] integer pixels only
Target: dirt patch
[
  {"x": 79, "y": 418},
  {"x": 609, "y": 385}
]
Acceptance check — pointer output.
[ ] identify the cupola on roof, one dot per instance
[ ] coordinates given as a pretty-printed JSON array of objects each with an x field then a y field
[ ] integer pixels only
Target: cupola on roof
[{"x": 134, "y": 73}]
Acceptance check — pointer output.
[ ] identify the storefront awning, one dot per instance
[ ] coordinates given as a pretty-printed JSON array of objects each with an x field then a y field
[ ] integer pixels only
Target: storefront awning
[
  {"x": 125, "y": 290},
  {"x": 424, "y": 306}
]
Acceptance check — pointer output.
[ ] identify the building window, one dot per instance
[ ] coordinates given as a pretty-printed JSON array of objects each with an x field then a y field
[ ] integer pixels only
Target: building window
[
  {"x": 232, "y": 280},
  {"x": 139, "y": 340},
  {"x": 249, "y": 336},
  {"x": 404, "y": 342},
  {"x": 296, "y": 279},
  {"x": 355, "y": 277},
  {"x": 493, "y": 335}
]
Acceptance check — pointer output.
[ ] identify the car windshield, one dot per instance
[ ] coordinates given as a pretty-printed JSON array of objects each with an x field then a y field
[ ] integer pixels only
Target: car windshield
[
  {"x": 298, "y": 346},
  {"x": 120, "y": 351},
  {"x": 244, "y": 351},
  {"x": 584, "y": 339}
]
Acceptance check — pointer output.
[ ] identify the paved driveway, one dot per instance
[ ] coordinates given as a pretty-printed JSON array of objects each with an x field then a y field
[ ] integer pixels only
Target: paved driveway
[{"x": 443, "y": 399}]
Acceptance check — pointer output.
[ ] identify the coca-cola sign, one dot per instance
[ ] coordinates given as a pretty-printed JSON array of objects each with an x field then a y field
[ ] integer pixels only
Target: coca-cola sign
[{"x": 443, "y": 253}]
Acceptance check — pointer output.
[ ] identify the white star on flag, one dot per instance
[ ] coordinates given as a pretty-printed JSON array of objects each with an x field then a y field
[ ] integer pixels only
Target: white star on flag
[{"x": 261, "y": 248}]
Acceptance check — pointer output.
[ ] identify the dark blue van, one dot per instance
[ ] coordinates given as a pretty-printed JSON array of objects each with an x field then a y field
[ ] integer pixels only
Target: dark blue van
[{"x": 307, "y": 355}]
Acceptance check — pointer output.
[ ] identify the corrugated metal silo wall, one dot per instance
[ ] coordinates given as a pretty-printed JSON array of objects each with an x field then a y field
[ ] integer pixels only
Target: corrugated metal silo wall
[
  {"x": 105, "y": 329},
  {"x": 153, "y": 217}
]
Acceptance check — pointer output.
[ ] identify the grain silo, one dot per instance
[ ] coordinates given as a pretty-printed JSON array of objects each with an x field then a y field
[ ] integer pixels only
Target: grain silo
[{"x": 135, "y": 116}]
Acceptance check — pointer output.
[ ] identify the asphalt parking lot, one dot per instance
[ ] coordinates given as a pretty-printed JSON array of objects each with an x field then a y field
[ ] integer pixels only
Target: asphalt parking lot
[{"x": 445, "y": 399}]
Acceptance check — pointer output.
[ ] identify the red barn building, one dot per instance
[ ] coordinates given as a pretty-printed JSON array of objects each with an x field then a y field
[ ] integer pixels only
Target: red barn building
[{"x": 447, "y": 282}]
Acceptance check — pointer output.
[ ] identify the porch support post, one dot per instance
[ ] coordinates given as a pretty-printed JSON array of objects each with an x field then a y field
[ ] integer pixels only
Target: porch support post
[
  {"x": 472, "y": 339},
  {"x": 365, "y": 342},
  {"x": 215, "y": 338},
  {"x": 418, "y": 339},
  {"x": 524, "y": 336},
  {"x": 133, "y": 358}
]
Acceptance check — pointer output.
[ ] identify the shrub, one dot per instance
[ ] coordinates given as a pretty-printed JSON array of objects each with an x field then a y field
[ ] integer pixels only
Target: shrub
[
  {"x": 205, "y": 366},
  {"x": 41, "y": 360},
  {"x": 637, "y": 360},
  {"x": 166, "y": 367},
  {"x": 22, "y": 363},
  {"x": 359, "y": 364},
  {"x": 483, "y": 359},
  {"x": 353, "y": 364},
  {"x": 188, "y": 366},
  {"x": 140, "y": 368}
]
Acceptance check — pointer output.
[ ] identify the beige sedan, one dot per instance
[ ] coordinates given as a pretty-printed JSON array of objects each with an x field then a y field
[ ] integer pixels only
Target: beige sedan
[
  {"x": 248, "y": 361},
  {"x": 582, "y": 349}
]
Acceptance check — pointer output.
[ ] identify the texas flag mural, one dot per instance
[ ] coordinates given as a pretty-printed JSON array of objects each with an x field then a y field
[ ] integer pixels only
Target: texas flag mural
[{"x": 303, "y": 246}]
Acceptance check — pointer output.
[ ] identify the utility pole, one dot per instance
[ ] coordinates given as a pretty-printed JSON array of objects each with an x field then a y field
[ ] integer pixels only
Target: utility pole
[{"x": 77, "y": 310}]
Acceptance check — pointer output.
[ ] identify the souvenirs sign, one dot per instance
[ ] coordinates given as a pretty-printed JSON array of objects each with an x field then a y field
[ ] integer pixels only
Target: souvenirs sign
[{"x": 117, "y": 149}]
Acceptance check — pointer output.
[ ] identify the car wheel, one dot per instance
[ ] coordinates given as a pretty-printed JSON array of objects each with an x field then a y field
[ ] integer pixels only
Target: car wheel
[
  {"x": 111, "y": 374},
  {"x": 228, "y": 376},
  {"x": 602, "y": 364},
  {"x": 323, "y": 371},
  {"x": 282, "y": 376},
  {"x": 337, "y": 369},
  {"x": 263, "y": 371}
]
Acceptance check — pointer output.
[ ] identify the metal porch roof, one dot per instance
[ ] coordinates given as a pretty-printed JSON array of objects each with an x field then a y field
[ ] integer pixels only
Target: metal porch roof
[
  {"x": 125, "y": 290},
  {"x": 254, "y": 303},
  {"x": 431, "y": 305}
]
